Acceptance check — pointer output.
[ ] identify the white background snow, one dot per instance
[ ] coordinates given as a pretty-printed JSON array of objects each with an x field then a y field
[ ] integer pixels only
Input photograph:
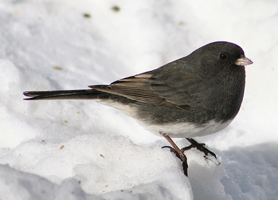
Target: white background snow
[{"x": 84, "y": 150}]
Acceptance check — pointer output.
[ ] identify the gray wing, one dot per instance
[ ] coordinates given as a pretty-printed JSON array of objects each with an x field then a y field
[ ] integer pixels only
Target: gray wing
[{"x": 166, "y": 86}]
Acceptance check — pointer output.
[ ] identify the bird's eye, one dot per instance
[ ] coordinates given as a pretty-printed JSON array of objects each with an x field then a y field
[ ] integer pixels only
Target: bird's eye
[{"x": 223, "y": 56}]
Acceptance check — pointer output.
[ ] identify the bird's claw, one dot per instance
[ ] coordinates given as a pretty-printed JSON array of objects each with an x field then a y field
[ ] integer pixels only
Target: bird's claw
[
  {"x": 200, "y": 146},
  {"x": 183, "y": 159}
]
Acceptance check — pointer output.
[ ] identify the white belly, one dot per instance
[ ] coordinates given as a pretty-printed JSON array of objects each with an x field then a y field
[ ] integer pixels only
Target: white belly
[
  {"x": 178, "y": 130},
  {"x": 188, "y": 130}
]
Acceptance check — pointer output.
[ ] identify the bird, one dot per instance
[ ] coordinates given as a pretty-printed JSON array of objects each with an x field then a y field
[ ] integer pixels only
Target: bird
[{"x": 196, "y": 95}]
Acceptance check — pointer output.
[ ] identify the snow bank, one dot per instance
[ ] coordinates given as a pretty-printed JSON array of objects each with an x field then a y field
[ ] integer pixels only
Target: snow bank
[{"x": 84, "y": 150}]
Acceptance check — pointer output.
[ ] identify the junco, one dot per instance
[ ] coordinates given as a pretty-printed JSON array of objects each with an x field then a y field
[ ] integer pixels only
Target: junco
[{"x": 196, "y": 95}]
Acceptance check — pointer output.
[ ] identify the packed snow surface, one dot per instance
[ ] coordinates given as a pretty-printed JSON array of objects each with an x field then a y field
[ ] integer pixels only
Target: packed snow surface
[{"x": 85, "y": 150}]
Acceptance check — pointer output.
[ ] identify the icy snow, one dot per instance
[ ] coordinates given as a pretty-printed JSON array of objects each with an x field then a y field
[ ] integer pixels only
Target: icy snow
[{"x": 85, "y": 150}]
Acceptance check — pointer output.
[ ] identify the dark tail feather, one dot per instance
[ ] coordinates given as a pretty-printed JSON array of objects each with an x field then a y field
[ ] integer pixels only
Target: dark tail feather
[{"x": 63, "y": 94}]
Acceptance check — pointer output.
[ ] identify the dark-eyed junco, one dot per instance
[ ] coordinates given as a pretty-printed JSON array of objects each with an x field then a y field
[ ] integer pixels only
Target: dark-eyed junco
[{"x": 194, "y": 96}]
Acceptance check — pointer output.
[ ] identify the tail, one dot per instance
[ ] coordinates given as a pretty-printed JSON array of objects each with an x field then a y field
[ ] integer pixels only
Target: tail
[{"x": 64, "y": 94}]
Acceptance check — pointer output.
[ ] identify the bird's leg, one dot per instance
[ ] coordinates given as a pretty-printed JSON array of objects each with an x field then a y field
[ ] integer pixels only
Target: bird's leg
[
  {"x": 200, "y": 146},
  {"x": 179, "y": 153}
]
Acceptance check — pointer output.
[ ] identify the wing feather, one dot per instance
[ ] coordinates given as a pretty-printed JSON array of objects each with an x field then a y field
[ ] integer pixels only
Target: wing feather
[{"x": 140, "y": 89}]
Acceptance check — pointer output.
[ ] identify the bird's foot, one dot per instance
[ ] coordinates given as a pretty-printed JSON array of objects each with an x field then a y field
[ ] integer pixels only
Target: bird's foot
[
  {"x": 194, "y": 144},
  {"x": 182, "y": 157},
  {"x": 200, "y": 146},
  {"x": 172, "y": 150}
]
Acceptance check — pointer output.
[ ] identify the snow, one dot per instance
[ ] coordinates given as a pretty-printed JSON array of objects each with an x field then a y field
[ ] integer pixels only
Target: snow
[{"x": 85, "y": 150}]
